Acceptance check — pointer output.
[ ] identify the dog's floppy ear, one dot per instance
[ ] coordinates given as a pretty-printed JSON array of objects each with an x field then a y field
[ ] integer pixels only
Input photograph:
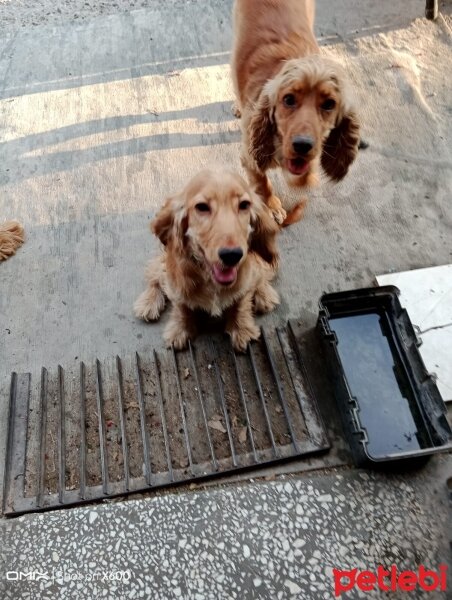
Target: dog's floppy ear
[
  {"x": 261, "y": 133},
  {"x": 171, "y": 223},
  {"x": 341, "y": 146},
  {"x": 265, "y": 230}
]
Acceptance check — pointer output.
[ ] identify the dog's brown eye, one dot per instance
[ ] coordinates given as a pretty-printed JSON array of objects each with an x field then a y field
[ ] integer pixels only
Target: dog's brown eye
[
  {"x": 328, "y": 104},
  {"x": 289, "y": 100},
  {"x": 244, "y": 205},
  {"x": 202, "y": 207}
]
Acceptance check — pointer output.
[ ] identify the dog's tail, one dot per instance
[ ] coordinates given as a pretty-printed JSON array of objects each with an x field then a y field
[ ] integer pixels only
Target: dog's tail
[{"x": 11, "y": 237}]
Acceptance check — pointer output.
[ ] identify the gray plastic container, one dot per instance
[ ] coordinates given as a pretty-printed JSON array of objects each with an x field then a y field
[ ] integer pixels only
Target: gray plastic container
[{"x": 390, "y": 406}]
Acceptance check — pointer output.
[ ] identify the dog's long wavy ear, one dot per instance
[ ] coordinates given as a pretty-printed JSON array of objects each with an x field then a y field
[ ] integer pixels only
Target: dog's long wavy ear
[
  {"x": 265, "y": 230},
  {"x": 171, "y": 223},
  {"x": 341, "y": 146},
  {"x": 261, "y": 133}
]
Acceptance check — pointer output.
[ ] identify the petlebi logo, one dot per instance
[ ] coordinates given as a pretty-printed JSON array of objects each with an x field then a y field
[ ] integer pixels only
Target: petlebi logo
[{"x": 391, "y": 580}]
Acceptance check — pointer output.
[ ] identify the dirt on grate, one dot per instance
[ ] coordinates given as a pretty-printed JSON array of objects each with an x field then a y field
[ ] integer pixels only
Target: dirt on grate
[
  {"x": 168, "y": 416},
  {"x": 51, "y": 454},
  {"x": 132, "y": 423},
  {"x": 72, "y": 429}
]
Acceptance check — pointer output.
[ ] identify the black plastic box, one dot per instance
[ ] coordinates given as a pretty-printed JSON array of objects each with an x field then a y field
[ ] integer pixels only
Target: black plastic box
[{"x": 390, "y": 406}]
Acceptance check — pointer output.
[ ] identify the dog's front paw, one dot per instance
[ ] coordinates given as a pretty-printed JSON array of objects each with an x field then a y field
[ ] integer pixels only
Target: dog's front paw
[
  {"x": 236, "y": 110},
  {"x": 176, "y": 337},
  {"x": 149, "y": 304},
  {"x": 266, "y": 299},
  {"x": 295, "y": 214},
  {"x": 240, "y": 338},
  {"x": 279, "y": 214}
]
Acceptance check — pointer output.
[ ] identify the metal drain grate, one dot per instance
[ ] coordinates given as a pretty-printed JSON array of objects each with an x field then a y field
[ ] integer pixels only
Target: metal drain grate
[{"x": 131, "y": 425}]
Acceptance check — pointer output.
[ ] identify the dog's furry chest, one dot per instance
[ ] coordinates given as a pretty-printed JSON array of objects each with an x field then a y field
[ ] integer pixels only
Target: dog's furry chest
[
  {"x": 213, "y": 300},
  {"x": 205, "y": 295}
]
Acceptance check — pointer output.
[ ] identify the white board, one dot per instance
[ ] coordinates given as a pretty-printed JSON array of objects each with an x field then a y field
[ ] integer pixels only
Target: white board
[{"x": 427, "y": 296}]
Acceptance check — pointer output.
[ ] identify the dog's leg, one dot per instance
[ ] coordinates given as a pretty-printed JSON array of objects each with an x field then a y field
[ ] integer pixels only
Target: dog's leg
[
  {"x": 266, "y": 298},
  {"x": 295, "y": 214},
  {"x": 181, "y": 327},
  {"x": 262, "y": 186},
  {"x": 151, "y": 302},
  {"x": 240, "y": 324},
  {"x": 274, "y": 204}
]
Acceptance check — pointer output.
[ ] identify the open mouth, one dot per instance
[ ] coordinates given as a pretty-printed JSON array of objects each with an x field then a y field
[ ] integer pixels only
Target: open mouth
[
  {"x": 297, "y": 166},
  {"x": 224, "y": 275}
]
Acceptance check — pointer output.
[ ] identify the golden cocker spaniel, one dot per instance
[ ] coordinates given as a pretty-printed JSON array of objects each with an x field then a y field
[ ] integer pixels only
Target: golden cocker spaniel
[
  {"x": 295, "y": 105},
  {"x": 219, "y": 256}
]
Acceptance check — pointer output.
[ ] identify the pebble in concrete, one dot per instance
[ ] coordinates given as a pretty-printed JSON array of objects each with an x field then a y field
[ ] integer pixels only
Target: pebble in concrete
[{"x": 265, "y": 540}]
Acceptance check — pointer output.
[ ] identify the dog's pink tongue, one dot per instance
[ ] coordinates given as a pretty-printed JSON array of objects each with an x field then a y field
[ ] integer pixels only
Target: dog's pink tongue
[
  {"x": 297, "y": 166},
  {"x": 224, "y": 275}
]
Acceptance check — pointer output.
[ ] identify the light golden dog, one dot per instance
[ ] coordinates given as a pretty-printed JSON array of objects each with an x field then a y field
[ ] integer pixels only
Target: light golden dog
[
  {"x": 11, "y": 237},
  {"x": 294, "y": 104},
  {"x": 219, "y": 256}
]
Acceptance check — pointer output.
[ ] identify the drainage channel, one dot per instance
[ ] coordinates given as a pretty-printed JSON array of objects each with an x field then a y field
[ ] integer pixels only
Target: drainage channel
[{"x": 144, "y": 422}]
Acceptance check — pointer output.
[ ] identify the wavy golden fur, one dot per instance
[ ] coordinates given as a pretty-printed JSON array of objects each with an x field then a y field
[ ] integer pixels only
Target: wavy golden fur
[
  {"x": 215, "y": 218},
  {"x": 295, "y": 105},
  {"x": 11, "y": 237}
]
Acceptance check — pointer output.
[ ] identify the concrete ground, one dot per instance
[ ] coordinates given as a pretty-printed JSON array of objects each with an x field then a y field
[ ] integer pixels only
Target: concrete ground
[
  {"x": 265, "y": 540},
  {"x": 101, "y": 119}
]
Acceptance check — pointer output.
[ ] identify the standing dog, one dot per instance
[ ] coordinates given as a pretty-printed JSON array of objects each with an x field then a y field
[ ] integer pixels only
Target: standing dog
[
  {"x": 219, "y": 256},
  {"x": 295, "y": 104}
]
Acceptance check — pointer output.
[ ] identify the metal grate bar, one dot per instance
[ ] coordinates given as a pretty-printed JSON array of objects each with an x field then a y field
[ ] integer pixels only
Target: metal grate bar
[
  {"x": 303, "y": 390},
  {"x": 222, "y": 400},
  {"x": 182, "y": 410},
  {"x": 82, "y": 431},
  {"x": 287, "y": 351},
  {"x": 262, "y": 398},
  {"x": 43, "y": 462},
  {"x": 243, "y": 401},
  {"x": 101, "y": 422},
  {"x": 17, "y": 439},
  {"x": 122, "y": 424},
  {"x": 144, "y": 432},
  {"x": 279, "y": 389},
  {"x": 162, "y": 417},
  {"x": 203, "y": 409},
  {"x": 61, "y": 437}
]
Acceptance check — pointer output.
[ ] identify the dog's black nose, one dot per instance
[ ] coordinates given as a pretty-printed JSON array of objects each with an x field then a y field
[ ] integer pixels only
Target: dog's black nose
[
  {"x": 302, "y": 144},
  {"x": 230, "y": 256}
]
